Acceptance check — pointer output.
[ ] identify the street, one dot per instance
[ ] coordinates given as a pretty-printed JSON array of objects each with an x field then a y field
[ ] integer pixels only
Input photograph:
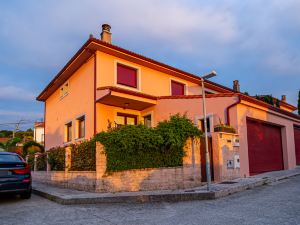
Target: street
[{"x": 277, "y": 203}]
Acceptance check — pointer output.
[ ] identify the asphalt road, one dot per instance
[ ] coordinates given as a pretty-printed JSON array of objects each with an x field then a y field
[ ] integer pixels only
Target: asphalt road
[{"x": 273, "y": 204}]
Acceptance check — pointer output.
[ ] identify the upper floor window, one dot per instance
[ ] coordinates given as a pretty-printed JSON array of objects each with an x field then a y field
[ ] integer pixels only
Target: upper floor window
[
  {"x": 177, "y": 88},
  {"x": 127, "y": 76},
  {"x": 64, "y": 89},
  {"x": 81, "y": 127}
]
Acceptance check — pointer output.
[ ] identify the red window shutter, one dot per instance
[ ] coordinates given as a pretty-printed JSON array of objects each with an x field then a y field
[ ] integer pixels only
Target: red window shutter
[
  {"x": 177, "y": 88},
  {"x": 126, "y": 76}
]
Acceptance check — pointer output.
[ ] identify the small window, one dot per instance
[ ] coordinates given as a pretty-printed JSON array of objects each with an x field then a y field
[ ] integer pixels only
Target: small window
[
  {"x": 147, "y": 120},
  {"x": 64, "y": 89},
  {"x": 126, "y": 119},
  {"x": 69, "y": 132},
  {"x": 177, "y": 88},
  {"x": 81, "y": 127},
  {"x": 201, "y": 124},
  {"x": 126, "y": 76}
]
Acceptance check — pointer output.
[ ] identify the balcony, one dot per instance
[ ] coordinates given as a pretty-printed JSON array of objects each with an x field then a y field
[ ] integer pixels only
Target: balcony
[{"x": 123, "y": 98}]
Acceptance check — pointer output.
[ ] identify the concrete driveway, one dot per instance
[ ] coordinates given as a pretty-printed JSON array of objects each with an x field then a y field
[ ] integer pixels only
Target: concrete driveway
[{"x": 277, "y": 203}]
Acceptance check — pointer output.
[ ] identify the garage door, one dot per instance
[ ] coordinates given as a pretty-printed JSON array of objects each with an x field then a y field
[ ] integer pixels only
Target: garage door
[
  {"x": 264, "y": 147},
  {"x": 297, "y": 144}
]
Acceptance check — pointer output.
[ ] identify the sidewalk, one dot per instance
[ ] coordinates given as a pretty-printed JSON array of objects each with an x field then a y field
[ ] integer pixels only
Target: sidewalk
[{"x": 69, "y": 196}]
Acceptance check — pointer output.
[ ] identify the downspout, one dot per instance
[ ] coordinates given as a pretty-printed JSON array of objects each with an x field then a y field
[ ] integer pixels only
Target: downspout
[
  {"x": 228, "y": 109},
  {"x": 45, "y": 124},
  {"x": 95, "y": 84}
]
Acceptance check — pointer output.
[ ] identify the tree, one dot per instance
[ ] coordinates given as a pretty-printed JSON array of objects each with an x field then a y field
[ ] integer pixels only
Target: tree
[{"x": 299, "y": 103}]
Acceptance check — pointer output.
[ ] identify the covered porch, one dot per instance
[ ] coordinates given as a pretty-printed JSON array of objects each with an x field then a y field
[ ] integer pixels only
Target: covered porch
[{"x": 118, "y": 106}]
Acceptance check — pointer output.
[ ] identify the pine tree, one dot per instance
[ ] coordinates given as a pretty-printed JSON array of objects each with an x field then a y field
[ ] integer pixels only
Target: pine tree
[{"x": 299, "y": 103}]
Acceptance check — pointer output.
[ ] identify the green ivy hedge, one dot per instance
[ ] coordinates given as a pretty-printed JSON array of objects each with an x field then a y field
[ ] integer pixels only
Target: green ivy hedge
[
  {"x": 27, "y": 145},
  {"x": 30, "y": 161},
  {"x": 83, "y": 156},
  {"x": 137, "y": 147},
  {"x": 41, "y": 162},
  {"x": 56, "y": 158}
]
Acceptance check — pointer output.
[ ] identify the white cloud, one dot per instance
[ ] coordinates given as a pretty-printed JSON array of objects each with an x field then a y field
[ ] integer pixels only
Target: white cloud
[
  {"x": 22, "y": 114},
  {"x": 16, "y": 93}
]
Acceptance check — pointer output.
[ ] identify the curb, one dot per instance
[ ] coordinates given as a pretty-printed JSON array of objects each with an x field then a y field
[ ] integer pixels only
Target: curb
[
  {"x": 176, "y": 197},
  {"x": 191, "y": 195}
]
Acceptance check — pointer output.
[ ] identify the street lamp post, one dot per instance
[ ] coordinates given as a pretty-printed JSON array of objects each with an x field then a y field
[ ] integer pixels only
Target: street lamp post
[{"x": 207, "y": 158}]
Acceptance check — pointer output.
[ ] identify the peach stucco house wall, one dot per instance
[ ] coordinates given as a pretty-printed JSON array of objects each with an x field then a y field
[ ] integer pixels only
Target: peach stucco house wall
[{"x": 86, "y": 98}]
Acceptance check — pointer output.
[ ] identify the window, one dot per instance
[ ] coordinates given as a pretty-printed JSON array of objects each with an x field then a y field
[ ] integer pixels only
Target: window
[
  {"x": 126, "y": 119},
  {"x": 147, "y": 120},
  {"x": 126, "y": 76},
  {"x": 10, "y": 158},
  {"x": 69, "y": 132},
  {"x": 64, "y": 89},
  {"x": 81, "y": 127},
  {"x": 177, "y": 88},
  {"x": 201, "y": 124}
]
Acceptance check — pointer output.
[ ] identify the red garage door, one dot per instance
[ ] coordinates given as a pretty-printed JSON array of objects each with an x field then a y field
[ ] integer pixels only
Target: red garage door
[
  {"x": 297, "y": 144},
  {"x": 264, "y": 147}
]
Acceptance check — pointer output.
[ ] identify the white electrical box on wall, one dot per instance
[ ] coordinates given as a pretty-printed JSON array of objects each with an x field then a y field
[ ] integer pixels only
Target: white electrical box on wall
[
  {"x": 236, "y": 142},
  {"x": 230, "y": 164},
  {"x": 236, "y": 160}
]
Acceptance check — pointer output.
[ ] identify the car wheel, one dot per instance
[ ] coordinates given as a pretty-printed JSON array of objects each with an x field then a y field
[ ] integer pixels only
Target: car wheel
[{"x": 26, "y": 195}]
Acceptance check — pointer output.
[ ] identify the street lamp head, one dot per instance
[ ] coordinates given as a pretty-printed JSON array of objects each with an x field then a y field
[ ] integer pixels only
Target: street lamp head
[{"x": 210, "y": 75}]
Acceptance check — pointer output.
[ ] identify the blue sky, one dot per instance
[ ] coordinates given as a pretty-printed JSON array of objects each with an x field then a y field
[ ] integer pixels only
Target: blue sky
[{"x": 256, "y": 42}]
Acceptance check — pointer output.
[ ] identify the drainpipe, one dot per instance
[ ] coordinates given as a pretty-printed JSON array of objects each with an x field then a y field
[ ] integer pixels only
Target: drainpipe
[{"x": 229, "y": 107}]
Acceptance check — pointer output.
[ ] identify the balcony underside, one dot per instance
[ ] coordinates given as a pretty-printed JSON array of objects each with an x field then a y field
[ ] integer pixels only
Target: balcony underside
[{"x": 124, "y": 98}]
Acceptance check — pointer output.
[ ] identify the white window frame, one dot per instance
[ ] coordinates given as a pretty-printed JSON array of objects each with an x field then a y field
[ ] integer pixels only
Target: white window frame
[
  {"x": 178, "y": 81},
  {"x": 62, "y": 95},
  {"x": 66, "y": 141},
  {"x": 152, "y": 118},
  {"x": 77, "y": 138},
  {"x": 209, "y": 116},
  {"x": 138, "y": 69}
]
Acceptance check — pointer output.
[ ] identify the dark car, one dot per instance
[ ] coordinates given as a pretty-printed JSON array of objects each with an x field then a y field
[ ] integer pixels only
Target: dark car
[{"x": 15, "y": 175}]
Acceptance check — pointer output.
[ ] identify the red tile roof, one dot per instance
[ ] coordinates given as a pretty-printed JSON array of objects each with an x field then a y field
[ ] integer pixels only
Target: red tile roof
[
  {"x": 39, "y": 124},
  {"x": 4, "y": 139}
]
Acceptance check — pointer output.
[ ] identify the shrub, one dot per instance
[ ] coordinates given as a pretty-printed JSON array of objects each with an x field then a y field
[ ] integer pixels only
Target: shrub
[
  {"x": 27, "y": 148},
  {"x": 83, "y": 156},
  {"x": 30, "y": 161},
  {"x": 41, "y": 162},
  {"x": 56, "y": 158},
  {"x": 136, "y": 147}
]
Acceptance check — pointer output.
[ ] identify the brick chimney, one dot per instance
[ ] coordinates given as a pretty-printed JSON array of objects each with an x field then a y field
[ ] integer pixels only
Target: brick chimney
[
  {"x": 236, "y": 86},
  {"x": 105, "y": 34},
  {"x": 283, "y": 98}
]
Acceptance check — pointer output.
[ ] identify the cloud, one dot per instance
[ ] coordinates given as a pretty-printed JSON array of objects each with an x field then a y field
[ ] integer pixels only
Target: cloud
[
  {"x": 16, "y": 93},
  {"x": 285, "y": 64},
  {"x": 22, "y": 114}
]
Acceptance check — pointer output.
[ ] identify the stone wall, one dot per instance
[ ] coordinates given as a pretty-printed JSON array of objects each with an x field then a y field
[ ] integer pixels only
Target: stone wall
[
  {"x": 225, "y": 154},
  {"x": 189, "y": 175},
  {"x": 80, "y": 180}
]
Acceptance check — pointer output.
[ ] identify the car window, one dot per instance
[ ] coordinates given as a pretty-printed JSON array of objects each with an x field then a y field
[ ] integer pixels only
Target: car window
[{"x": 9, "y": 158}]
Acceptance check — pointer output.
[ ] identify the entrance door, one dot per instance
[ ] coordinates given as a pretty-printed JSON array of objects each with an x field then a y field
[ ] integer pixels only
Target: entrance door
[
  {"x": 297, "y": 144},
  {"x": 203, "y": 161},
  {"x": 264, "y": 147}
]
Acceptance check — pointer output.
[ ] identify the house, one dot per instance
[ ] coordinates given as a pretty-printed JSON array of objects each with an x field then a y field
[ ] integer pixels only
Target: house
[
  {"x": 38, "y": 132},
  {"x": 104, "y": 85}
]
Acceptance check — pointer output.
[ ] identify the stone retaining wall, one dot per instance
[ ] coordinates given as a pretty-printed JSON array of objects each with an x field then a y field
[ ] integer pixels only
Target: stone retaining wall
[{"x": 189, "y": 175}]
